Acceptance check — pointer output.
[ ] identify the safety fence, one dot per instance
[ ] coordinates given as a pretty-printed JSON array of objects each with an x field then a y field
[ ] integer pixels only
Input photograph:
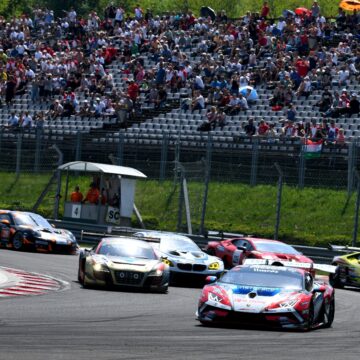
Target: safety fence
[{"x": 186, "y": 175}]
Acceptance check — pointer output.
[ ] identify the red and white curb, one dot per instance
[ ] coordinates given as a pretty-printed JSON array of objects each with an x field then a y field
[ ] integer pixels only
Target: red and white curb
[{"x": 22, "y": 283}]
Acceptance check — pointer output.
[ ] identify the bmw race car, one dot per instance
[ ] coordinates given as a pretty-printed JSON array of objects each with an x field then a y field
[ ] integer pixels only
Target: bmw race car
[
  {"x": 257, "y": 294},
  {"x": 182, "y": 255},
  {"x": 234, "y": 251},
  {"x": 26, "y": 230},
  {"x": 123, "y": 261},
  {"x": 347, "y": 268}
]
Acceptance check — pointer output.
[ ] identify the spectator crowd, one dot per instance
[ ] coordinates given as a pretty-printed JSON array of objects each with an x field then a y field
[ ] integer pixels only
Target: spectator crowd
[{"x": 220, "y": 62}]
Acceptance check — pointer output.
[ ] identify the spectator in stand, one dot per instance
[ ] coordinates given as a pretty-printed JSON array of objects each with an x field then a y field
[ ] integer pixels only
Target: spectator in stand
[
  {"x": 325, "y": 101},
  {"x": 133, "y": 90},
  {"x": 271, "y": 134},
  {"x": 265, "y": 10},
  {"x": 340, "y": 139},
  {"x": 291, "y": 113},
  {"x": 263, "y": 128},
  {"x": 354, "y": 105},
  {"x": 221, "y": 119},
  {"x": 332, "y": 132},
  {"x": 198, "y": 102},
  {"x": 211, "y": 116},
  {"x": 13, "y": 121},
  {"x": 304, "y": 88},
  {"x": 76, "y": 195},
  {"x": 250, "y": 128},
  {"x": 288, "y": 130},
  {"x": 27, "y": 121}
]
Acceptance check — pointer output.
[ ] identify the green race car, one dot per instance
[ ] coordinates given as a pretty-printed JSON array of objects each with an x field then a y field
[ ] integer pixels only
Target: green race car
[{"x": 347, "y": 268}]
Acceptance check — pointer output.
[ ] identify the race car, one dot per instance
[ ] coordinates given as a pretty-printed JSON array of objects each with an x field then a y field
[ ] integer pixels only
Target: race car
[
  {"x": 26, "y": 230},
  {"x": 183, "y": 256},
  {"x": 268, "y": 295},
  {"x": 123, "y": 261},
  {"x": 347, "y": 268},
  {"x": 234, "y": 251}
]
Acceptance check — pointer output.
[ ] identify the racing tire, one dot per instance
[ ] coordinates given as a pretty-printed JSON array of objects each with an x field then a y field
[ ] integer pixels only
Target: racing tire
[
  {"x": 226, "y": 264},
  {"x": 162, "y": 290},
  {"x": 310, "y": 322},
  {"x": 335, "y": 279},
  {"x": 18, "y": 242},
  {"x": 328, "y": 313}
]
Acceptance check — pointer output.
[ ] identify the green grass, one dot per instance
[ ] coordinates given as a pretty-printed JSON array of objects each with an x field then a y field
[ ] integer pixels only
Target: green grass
[{"x": 310, "y": 216}]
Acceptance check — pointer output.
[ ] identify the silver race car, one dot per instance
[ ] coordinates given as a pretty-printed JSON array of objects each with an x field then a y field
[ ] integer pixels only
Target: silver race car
[
  {"x": 182, "y": 255},
  {"x": 125, "y": 262}
]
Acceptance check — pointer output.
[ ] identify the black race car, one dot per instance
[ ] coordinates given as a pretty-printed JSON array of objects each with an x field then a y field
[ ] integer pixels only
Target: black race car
[{"x": 25, "y": 230}]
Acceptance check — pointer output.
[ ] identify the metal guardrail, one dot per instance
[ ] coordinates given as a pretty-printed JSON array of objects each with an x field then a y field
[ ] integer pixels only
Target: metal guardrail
[{"x": 318, "y": 254}]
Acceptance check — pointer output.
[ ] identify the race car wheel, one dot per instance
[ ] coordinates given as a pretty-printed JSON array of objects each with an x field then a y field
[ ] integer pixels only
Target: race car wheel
[
  {"x": 329, "y": 313},
  {"x": 337, "y": 280},
  {"x": 163, "y": 290},
  {"x": 18, "y": 242},
  {"x": 80, "y": 277},
  {"x": 310, "y": 321},
  {"x": 81, "y": 273}
]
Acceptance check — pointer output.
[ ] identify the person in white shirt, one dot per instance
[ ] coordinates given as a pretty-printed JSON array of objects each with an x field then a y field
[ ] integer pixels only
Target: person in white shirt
[
  {"x": 343, "y": 76},
  {"x": 199, "y": 83},
  {"x": 119, "y": 16},
  {"x": 13, "y": 121},
  {"x": 27, "y": 121},
  {"x": 198, "y": 101}
]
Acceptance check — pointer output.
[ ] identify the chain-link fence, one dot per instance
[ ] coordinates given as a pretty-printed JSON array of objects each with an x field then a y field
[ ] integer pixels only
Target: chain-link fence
[{"x": 187, "y": 177}]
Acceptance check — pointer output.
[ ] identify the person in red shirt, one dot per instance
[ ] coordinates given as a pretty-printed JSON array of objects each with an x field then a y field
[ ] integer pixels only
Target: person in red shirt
[
  {"x": 302, "y": 67},
  {"x": 92, "y": 195},
  {"x": 263, "y": 128},
  {"x": 265, "y": 10},
  {"x": 133, "y": 90},
  {"x": 76, "y": 195}
]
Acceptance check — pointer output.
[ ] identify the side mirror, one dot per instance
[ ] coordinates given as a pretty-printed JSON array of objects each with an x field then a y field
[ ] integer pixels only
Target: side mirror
[
  {"x": 319, "y": 289},
  {"x": 210, "y": 279},
  {"x": 5, "y": 222},
  {"x": 243, "y": 248}
]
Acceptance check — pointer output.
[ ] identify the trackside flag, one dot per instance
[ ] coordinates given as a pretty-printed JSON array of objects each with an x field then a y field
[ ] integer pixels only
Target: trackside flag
[{"x": 312, "y": 149}]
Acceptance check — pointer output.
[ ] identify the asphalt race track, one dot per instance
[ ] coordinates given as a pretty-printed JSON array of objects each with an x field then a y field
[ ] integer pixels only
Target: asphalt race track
[{"x": 96, "y": 324}]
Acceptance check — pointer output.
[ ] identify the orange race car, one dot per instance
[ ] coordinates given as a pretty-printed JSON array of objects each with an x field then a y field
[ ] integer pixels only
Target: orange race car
[{"x": 25, "y": 230}]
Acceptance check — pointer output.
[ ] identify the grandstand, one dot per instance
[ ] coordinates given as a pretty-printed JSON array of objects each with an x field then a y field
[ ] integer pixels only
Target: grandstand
[{"x": 148, "y": 126}]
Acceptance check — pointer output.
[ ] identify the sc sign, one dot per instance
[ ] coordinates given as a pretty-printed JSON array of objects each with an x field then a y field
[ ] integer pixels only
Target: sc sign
[{"x": 113, "y": 215}]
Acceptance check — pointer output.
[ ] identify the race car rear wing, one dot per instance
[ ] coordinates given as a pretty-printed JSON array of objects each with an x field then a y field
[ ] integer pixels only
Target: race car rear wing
[
  {"x": 100, "y": 236},
  {"x": 344, "y": 248},
  {"x": 322, "y": 267}
]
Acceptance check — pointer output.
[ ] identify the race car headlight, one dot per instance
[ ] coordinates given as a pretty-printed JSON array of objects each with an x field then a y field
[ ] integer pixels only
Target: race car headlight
[
  {"x": 219, "y": 300},
  {"x": 101, "y": 267},
  {"x": 288, "y": 304},
  {"x": 167, "y": 262},
  {"x": 214, "y": 266},
  {"x": 156, "y": 272}
]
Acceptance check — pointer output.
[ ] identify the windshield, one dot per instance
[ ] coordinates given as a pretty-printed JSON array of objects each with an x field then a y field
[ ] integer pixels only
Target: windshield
[
  {"x": 180, "y": 244},
  {"x": 126, "y": 249},
  {"x": 265, "y": 277},
  {"x": 31, "y": 219},
  {"x": 275, "y": 247}
]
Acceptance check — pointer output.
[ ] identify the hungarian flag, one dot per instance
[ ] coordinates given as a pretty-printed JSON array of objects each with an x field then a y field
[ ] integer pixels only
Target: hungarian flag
[{"x": 312, "y": 149}]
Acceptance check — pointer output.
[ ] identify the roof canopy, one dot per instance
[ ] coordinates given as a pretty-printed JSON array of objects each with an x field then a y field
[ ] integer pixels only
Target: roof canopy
[{"x": 102, "y": 168}]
